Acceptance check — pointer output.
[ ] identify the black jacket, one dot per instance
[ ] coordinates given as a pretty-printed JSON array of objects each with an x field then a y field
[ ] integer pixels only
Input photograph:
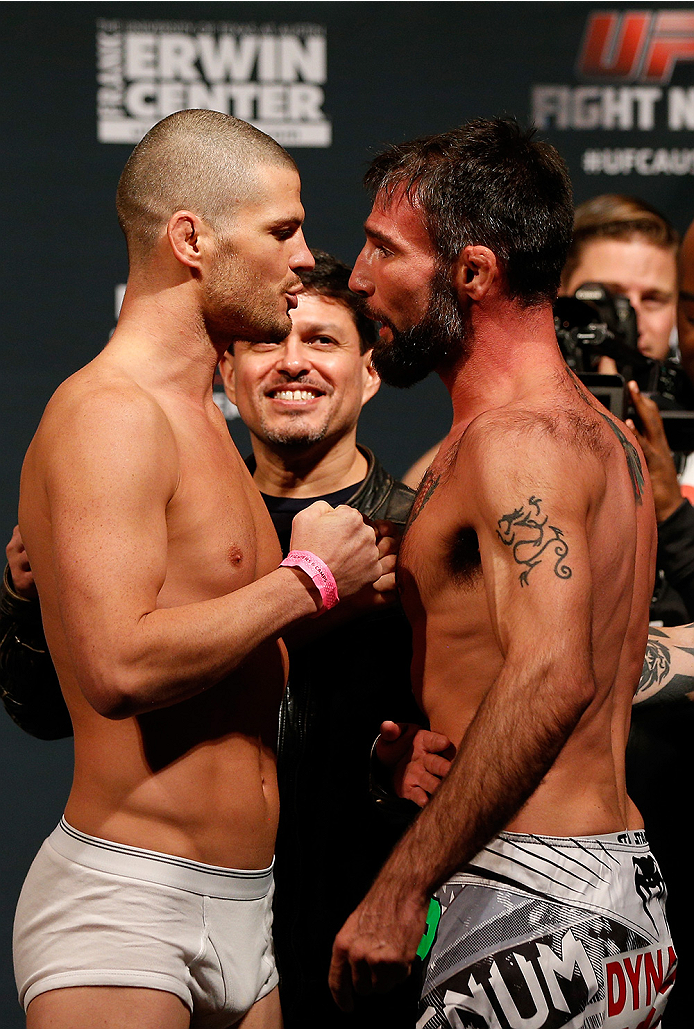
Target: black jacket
[
  {"x": 676, "y": 558},
  {"x": 332, "y": 838}
]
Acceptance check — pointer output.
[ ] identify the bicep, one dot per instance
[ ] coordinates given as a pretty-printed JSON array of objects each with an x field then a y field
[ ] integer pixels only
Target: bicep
[{"x": 537, "y": 573}]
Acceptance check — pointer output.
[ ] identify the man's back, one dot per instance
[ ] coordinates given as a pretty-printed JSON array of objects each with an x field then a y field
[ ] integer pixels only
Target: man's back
[{"x": 541, "y": 505}]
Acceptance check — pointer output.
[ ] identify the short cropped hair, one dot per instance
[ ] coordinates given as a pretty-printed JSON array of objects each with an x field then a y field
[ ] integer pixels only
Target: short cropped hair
[
  {"x": 330, "y": 278},
  {"x": 620, "y": 217},
  {"x": 194, "y": 160},
  {"x": 488, "y": 183}
]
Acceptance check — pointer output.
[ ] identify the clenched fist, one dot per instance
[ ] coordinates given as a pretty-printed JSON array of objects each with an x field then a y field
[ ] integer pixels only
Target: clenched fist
[{"x": 339, "y": 537}]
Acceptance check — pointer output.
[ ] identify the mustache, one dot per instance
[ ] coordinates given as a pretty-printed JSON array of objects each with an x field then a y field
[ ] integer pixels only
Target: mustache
[
  {"x": 378, "y": 316},
  {"x": 300, "y": 380}
]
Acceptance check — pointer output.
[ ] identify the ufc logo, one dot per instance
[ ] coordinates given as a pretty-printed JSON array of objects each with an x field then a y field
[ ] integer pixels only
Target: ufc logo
[{"x": 639, "y": 46}]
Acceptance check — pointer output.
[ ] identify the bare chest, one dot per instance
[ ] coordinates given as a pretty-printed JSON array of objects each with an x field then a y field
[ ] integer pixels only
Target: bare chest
[
  {"x": 440, "y": 553},
  {"x": 220, "y": 536}
]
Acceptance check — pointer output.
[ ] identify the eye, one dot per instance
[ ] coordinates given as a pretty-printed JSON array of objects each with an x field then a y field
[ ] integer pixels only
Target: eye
[
  {"x": 322, "y": 342},
  {"x": 284, "y": 232},
  {"x": 261, "y": 347}
]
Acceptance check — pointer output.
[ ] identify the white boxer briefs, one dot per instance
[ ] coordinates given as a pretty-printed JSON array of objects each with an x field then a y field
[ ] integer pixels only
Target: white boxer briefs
[{"x": 97, "y": 913}]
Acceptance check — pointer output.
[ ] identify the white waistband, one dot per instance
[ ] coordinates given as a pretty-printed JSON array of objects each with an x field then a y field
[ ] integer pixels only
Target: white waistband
[
  {"x": 626, "y": 838},
  {"x": 164, "y": 869}
]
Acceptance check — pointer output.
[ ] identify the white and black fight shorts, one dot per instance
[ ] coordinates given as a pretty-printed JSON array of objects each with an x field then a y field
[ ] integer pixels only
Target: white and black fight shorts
[{"x": 542, "y": 932}]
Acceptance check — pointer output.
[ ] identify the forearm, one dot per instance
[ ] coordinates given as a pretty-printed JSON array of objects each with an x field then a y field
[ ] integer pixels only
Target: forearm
[
  {"x": 668, "y": 668},
  {"x": 510, "y": 745},
  {"x": 170, "y": 654}
]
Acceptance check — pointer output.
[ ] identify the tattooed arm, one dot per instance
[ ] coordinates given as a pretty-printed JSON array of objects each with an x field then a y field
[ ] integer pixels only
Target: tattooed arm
[
  {"x": 537, "y": 581},
  {"x": 668, "y": 668}
]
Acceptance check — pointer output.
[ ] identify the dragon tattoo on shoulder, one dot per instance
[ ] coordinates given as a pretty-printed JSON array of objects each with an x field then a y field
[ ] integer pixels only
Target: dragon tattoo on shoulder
[{"x": 532, "y": 540}]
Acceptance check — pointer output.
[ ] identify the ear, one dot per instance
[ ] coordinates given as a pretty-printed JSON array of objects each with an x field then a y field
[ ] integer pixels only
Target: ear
[
  {"x": 227, "y": 372},
  {"x": 184, "y": 232},
  {"x": 372, "y": 380},
  {"x": 475, "y": 271}
]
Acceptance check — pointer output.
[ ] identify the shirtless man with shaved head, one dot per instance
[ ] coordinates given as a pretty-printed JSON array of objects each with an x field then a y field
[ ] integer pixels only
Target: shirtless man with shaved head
[
  {"x": 163, "y": 596},
  {"x": 526, "y": 571}
]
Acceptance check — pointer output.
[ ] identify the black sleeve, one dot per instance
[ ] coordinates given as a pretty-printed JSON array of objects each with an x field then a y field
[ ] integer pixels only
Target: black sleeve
[
  {"x": 676, "y": 552},
  {"x": 29, "y": 685}
]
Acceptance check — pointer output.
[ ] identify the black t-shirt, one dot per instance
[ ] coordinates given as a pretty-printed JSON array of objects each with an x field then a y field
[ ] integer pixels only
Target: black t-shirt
[{"x": 283, "y": 509}]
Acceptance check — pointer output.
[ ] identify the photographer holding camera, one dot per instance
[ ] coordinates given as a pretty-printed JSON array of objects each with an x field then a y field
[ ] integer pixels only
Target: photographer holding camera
[{"x": 630, "y": 250}]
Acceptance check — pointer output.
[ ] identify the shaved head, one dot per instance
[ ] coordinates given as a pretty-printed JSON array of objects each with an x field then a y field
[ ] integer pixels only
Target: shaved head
[{"x": 200, "y": 161}]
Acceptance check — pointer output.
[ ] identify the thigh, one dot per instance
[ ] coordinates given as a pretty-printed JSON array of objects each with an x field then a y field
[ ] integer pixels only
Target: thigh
[
  {"x": 107, "y": 1007},
  {"x": 265, "y": 1013}
]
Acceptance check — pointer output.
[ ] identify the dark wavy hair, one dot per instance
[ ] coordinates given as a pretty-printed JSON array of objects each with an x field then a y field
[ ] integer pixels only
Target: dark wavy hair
[{"x": 488, "y": 183}]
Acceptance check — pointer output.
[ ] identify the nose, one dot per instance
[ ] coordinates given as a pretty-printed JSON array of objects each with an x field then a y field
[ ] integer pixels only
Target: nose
[
  {"x": 292, "y": 359},
  {"x": 359, "y": 280},
  {"x": 302, "y": 259}
]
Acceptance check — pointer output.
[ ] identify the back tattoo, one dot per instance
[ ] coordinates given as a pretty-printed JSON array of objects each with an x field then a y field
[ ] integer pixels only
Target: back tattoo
[
  {"x": 630, "y": 451},
  {"x": 525, "y": 530},
  {"x": 633, "y": 460}
]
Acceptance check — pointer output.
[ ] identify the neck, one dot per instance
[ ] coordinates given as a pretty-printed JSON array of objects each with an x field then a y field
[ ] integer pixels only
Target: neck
[
  {"x": 162, "y": 337},
  {"x": 511, "y": 351},
  {"x": 310, "y": 471}
]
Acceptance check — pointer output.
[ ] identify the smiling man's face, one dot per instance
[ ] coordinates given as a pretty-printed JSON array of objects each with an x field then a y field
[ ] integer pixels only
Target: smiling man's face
[{"x": 308, "y": 388}]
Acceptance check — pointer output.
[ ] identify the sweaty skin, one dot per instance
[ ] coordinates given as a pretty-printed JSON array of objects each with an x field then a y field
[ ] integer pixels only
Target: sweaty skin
[{"x": 526, "y": 573}]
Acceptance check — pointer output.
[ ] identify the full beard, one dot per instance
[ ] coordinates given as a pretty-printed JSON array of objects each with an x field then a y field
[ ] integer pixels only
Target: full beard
[{"x": 434, "y": 342}]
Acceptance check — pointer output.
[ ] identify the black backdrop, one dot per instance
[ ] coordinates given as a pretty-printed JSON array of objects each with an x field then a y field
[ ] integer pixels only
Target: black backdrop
[{"x": 611, "y": 86}]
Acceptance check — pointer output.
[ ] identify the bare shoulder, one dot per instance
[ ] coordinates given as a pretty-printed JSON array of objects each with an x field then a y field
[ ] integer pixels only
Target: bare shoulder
[
  {"x": 533, "y": 447},
  {"x": 100, "y": 420},
  {"x": 95, "y": 391}
]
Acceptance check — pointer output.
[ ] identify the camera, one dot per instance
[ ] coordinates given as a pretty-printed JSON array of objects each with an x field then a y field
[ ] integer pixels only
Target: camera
[{"x": 596, "y": 323}]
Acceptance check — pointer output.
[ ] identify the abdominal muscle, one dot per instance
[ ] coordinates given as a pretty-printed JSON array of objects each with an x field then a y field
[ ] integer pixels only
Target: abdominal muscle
[
  {"x": 583, "y": 793},
  {"x": 196, "y": 780}
]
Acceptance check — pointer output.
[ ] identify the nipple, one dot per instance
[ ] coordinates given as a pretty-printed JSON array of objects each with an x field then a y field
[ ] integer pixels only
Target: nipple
[{"x": 235, "y": 554}]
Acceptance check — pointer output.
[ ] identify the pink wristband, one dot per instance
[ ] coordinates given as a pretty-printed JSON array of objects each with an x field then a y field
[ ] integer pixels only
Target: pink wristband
[{"x": 318, "y": 571}]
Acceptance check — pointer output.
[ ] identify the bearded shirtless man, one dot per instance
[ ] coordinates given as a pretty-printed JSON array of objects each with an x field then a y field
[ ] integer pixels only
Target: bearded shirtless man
[
  {"x": 162, "y": 599},
  {"x": 526, "y": 571}
]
